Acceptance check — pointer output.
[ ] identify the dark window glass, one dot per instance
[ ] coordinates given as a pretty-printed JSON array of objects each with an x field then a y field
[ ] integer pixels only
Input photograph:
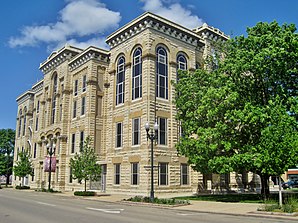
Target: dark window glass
[
  {"x": 36, "y": 124},
  {"x": 136, "y": 131},
  {"x": 73, "y": 143},
  {"x": 74, "y": 114},
  {"x": 84, "y": 85},
  {"x": 83, "y": 106},
  {"x": 137, "y": 74},
  {"x": 120, "y": 81},
  {"x": 81, "y": 140},
  {"x": 76, "y": 88},
  {"x": 135, "y": 173},
  {"x": 117, "y": 174},
  {"x": 119, "y": 135},
  {"x": 184, "y": 174},
  {"x": 163, "y": 173},
  {"x": 162, "y": 133},
  {"x": 161, "y": 73},
  {"x": 35, "y": 149}
]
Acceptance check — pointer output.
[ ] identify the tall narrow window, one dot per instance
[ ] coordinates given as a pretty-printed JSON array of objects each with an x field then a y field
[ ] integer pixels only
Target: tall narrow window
[
  {"x": 36, "y": 124},
  {"x": 184, "y": 174},
  {"x": 162, "y": 133},
  {"x": 24, "y": 125},
  {"x": 117, "y": 173},
  {"x": 120, "y": 82},
  {"x": 74, "y": 111},
  {"x": 181, "y": 62},
  {"x": 161, "y": 73},
  {"x": 83, "y": 106},
  {"x": 76, "y": 87},
  {"x": 20, "y": 123},
  {"x": 37, "y": 107},
  {"x": 70, "y": 175},
  {"x": 73, "y": 142},
  {"x": 163, "y": 173},
  {"x": 54, "y": 98},
  {"x": 119, "y": 130},
  {"x": 136, "y": 131},
  {"x": 135, "y": 173},
  {"x": 35, "y": 150},
  {"x": 137, "y": 74},
  {"x": 84, "y": 83},
  {"x": 60, "y": 108},
  {"x": 81, "y": 140}
]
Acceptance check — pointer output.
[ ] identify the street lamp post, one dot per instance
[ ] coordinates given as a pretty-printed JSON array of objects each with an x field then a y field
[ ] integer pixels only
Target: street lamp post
[
  {"x": 51, "y": 146},
  {"x": 152, "y": 135}
]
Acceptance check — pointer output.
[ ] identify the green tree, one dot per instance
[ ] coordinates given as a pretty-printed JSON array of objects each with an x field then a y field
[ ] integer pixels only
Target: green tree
[
  {"x": 84, "y": 164},
  {"x": 243, "y": 115},
  {"x": 23, "y": 165},
  {"x": 7, "y": 140}
]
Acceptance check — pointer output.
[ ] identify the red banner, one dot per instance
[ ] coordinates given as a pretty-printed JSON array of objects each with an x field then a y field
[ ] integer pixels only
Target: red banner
[{"x": 47, "y": 164}]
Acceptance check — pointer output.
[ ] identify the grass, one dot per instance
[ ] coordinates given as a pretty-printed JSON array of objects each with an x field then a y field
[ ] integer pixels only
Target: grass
[{"x": 236, "y": 198}]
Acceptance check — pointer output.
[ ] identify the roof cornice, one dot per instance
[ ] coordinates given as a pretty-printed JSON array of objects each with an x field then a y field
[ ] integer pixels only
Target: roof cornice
[{"x": 155, "y": 22}]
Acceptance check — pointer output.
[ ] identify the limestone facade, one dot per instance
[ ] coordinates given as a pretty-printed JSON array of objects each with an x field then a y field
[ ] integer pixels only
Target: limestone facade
[{"x": 109, "y": 96}]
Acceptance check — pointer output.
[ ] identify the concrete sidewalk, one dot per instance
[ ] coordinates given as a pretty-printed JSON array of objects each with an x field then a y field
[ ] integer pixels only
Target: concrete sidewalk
[{"x": 240, "y": 209}]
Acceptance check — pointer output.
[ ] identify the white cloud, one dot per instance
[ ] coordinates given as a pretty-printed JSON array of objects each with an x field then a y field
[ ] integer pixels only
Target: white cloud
[
  {"x": 79, "y": 18},
  {"x": 173, "y": 11}
]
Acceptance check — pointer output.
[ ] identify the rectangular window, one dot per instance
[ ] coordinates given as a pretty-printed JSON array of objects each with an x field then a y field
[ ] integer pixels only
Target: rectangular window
[
  {"x": 76, "y": 88},
  {"x": 24, "y": 126},
  {"x": 70, "y": 175},
  {"x": 81, "y": 140},
  {"x": 36, "y": 124},
  {"x": 37, "y": 107},
  {"x": 73, "y": 143},
  {"x": 83, "y": 106},
  {"x": 35, "y": 150},
  {"x": 135, "y": 173},
  {"x": 136, "y": 131},
  {"x": 74, "y": 112},
  {"x": 60, "y": 117},
  {"x": 163, "y": 173},
  {"x": 184, "y": 174},
  {"x": 84, "y": 83},
  {"x": 117, "y": 174},
  {"x": 162, "y": 132},
  {"x": 119, "y": 131},
  {"x": 32, "y": 176}
]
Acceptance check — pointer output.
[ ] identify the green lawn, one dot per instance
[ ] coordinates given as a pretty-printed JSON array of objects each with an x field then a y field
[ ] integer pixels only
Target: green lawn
[{"x": 241, "y": 198}]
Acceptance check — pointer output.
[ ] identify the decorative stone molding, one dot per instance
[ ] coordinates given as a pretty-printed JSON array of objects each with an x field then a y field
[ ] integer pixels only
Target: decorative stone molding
[
  {"x": 157, "y": 23},
  {"x": 92, "y": 82},
  {"x": 106, "y": 85},
  {"x": 149, "y": 56}
]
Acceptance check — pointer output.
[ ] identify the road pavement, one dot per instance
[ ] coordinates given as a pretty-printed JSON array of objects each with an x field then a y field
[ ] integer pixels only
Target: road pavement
[{"x": 29, "y": 206}]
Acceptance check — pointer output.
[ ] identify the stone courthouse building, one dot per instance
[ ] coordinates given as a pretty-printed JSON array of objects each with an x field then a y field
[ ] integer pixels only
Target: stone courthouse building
[{"x": 109, "y": 95}]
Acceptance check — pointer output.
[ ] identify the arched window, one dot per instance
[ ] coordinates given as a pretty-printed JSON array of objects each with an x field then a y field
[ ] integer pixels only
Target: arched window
[
  {"x": 161, "y": 73},
  {"x": 137, "y": 74},
  {"x": 181, "y": 62},
  {"x": 120, "y": 81},
  {"x": 54, "y": 98}
]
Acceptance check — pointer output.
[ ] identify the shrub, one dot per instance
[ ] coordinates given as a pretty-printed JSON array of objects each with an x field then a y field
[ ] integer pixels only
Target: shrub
[
  {"x": 290, "y": 206},
  {"x": 170, "y": 201},
  {"x": 22, "y": 187},
  {"x": 85, "y": 193},
  {"x": 269, "y": 205}
]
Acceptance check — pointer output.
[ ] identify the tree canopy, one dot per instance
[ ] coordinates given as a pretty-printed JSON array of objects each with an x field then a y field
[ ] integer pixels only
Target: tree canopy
[
  {"x": 84, "y": 164},
  {"x": 23, "y": 165},
  {"x": 7, "y": 139},
  {"x": 243, "y": 114}
]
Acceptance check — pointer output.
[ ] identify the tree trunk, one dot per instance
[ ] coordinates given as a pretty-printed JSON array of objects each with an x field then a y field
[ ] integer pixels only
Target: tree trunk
[
  {"x": 85, "y": 185},
  {"x": 7, "y": 180},
  {"x": 265, "y": 186}
]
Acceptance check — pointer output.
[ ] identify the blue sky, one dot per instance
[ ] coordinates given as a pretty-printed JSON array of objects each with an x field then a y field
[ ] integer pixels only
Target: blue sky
[{"x": 31, "y": 30}]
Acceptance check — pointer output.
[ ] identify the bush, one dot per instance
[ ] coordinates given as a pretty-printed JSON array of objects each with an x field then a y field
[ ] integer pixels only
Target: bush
[
  {"x": 269, "y": 205},
  {"x": 22, "y": 187},
  {"x": 85, "y": 193},
  {"x": 290, "y": 205},
  {"x": 170, "y": 201}
]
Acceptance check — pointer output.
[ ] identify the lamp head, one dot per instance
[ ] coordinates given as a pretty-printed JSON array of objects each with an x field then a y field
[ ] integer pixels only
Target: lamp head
[
  {"x": 155, "y": 126},
  {"x": 147, "y": 126}
]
